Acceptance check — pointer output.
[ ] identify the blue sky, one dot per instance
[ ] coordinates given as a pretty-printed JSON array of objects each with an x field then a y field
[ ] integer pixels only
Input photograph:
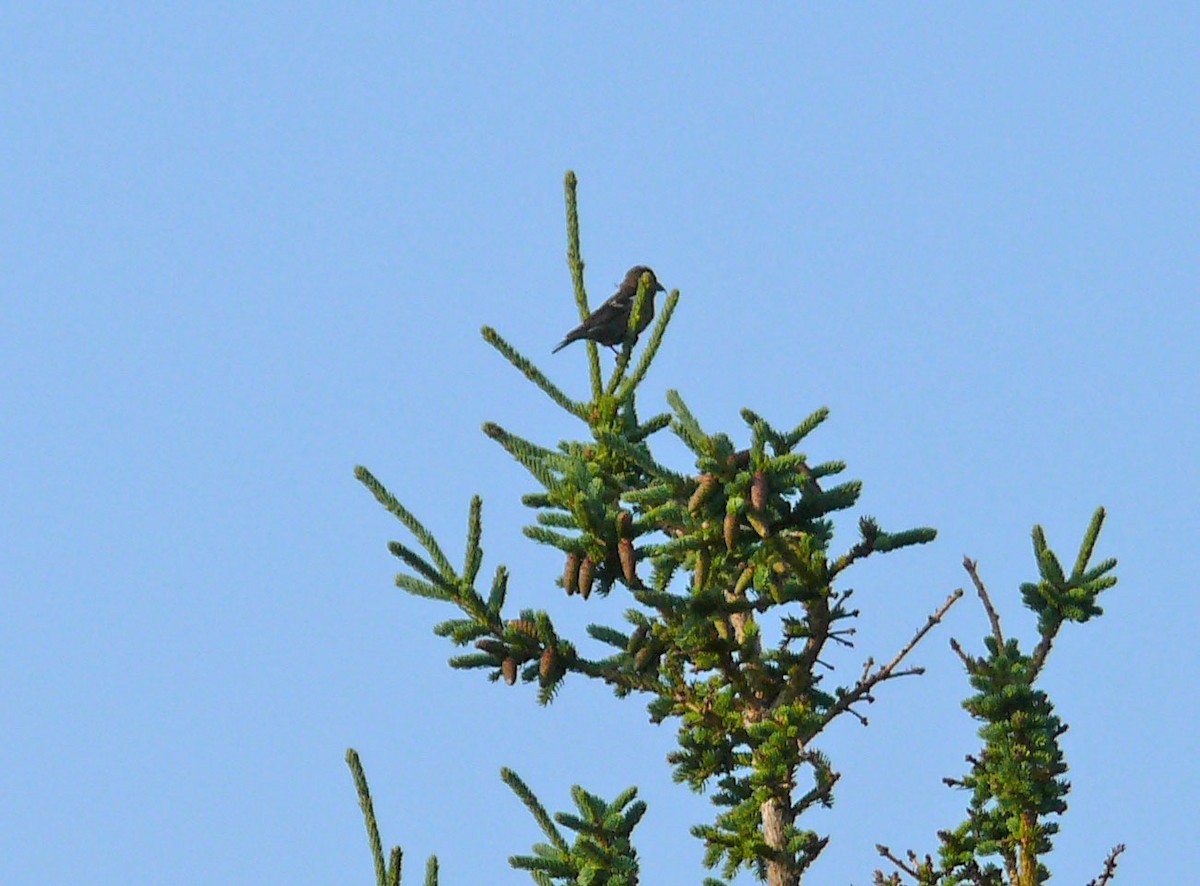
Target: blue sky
[{"x": 248, "y": 248}]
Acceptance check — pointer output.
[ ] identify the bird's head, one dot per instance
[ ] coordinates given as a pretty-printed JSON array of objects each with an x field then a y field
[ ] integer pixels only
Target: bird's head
[{"x": 634, "y": 276}]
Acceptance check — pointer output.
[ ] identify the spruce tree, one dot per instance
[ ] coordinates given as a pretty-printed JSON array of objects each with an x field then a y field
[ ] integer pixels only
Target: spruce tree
[{"x": 710, "y": 554}]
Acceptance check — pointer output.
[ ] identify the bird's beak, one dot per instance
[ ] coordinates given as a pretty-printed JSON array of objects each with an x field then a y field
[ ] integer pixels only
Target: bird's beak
[{"x": 660, "y": 288}]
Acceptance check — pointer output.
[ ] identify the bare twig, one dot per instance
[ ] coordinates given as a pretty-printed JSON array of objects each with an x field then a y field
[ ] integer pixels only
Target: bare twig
[
  {"x": 961, "y": 653},
  {"x": 970, "y": 565},
  {"x": 862, "y": 689},
  {"x": 930, "y": 623},
  {"x": 887, "y": 854},
  {"x": 859, "y": 717},
  {"x": 1110, "y": 866}
]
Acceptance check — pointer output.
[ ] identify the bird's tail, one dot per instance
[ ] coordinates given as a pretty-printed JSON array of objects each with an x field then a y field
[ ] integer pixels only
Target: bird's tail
[{"x": 573, "y": 335}]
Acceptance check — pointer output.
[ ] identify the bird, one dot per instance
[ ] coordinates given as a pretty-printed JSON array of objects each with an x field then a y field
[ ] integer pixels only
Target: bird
[{"x": 607, "y": 324}]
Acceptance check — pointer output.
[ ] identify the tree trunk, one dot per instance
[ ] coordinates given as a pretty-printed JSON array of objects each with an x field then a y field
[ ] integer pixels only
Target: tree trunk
[{"x": 780, "y": 871}]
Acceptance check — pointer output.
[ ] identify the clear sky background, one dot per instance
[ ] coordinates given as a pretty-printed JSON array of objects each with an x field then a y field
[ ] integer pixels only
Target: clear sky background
[{"x": 246, "y": 247}]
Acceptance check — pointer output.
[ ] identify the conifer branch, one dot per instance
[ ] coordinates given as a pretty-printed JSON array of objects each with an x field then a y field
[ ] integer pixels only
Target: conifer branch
[
  {"x": 1056, "y": 598},
  {"x": 386, "y": 873},
  {"x": 575, "y": 263},
  {"x": 419, "y": 588},
  {"x": 651, "y": 349},
  {"x": 687, "y": 427},
  {"x": 1088, "y": 546},
  {"x": 395, "y": 865},
  {"x": 526, "y": 796},
  {"x": 601, "y": 854},
  {"x": 894, "y": 541},
  {"x": 639, "y": 456},
  {"x": 1110, "y": 867},
  {"x": 417, "y": 563},
  {"x": 368, "y": 811},
  {"x": 862, "y": 689},
  {"x": 402, "y": 514},
  {"x": 763, "y": 431},
  {"x": 531, "y": 372},
  {"x": 533, "y": 458},
  {"x": 498, "y": 592},
  {"x": 473, "y": 557},
  {"x": 1017, "y": 781},
  {"x": 887, "y": 853},
  {"x": 971, "y": 567},
  {"x": 650, "y": 426},
  {"x": 565, "y": 543},
  {"x": 805, "y": 428}
]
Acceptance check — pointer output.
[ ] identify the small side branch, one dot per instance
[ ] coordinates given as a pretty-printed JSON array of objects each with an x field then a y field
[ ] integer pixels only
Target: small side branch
[
  {"x": 656, "y": 336},
  {"x": 888, "y": 854},
  {"x": 929, "y": 625},
  {"x": 575, "y": 263},
  {"x": 971, "y": 567},
  {"x": 386, "y": 872},
  {"x": 1110, "y": 867},
  {"x": 531, "y": 372},
  {"x": 862, "y": 689}
]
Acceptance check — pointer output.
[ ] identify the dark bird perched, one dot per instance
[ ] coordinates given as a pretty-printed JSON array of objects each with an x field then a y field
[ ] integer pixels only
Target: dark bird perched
[{"x": 607, "y": 324}]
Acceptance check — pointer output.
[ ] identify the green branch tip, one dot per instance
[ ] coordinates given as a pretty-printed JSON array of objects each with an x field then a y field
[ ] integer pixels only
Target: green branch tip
[
  {"x": 368, "y": 811},
  {"x": 530, "y": 371}
]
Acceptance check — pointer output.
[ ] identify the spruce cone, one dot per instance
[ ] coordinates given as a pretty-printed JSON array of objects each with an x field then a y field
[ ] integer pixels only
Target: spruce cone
[
  {"x": 624, "y": 524},
  {"x": 730, "y": 529},
  {"x": 490, "y": 646},
  {"x": 646, "y": 656},
  {"x": 758, "y": 491},
  {"x": 628, "y": 562},
  {"x": 508, "y": 668},
  {"x": 705, "y": 487},
  {"x": 546, "y": 666},
  {"x": 587, "y": 572},
  {"x": 571, "y": 574}
]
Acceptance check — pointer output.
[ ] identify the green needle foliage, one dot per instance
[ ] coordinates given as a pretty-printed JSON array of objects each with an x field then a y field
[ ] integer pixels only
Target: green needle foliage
[
  {"x": 708, "y": 555},
  {"x": 601, "y": 854},
  {"x": 1016, "y": 782},
  {"x": 387, "y": 873}
]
